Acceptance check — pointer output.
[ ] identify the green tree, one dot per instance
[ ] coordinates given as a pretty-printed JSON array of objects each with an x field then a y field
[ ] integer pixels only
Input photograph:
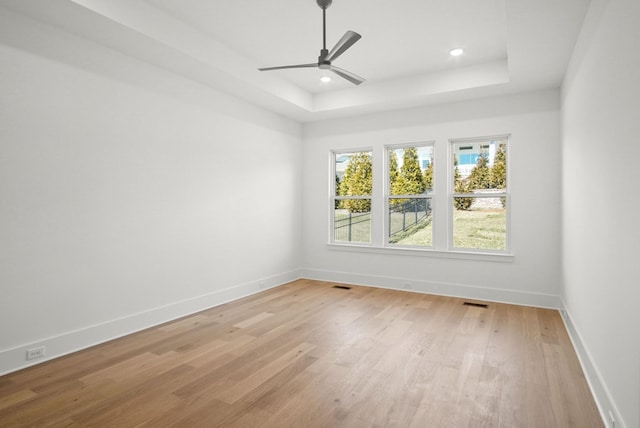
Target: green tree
[
  {"x": 499, "y": 168},
  {"x": 357, "y": 181},
  {"x": 460, "y": 185},
  {"x": 393, "y": 169},
  {"x": 456, "y": 173},
  {"x": 411, "y": 172},
  {"x": 428, "y": 175},
  {"x": 337, "y": 203},
  {"x": 410, "y": 180},
  {"x": 499, "y": 171},
  {"x": 480, "y": 177}
]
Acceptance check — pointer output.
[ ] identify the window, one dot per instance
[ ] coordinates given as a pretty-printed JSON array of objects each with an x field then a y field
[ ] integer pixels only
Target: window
[
  {"x": 420, "y": 197},
  {"x": 479, "y": 198},
  {"x": 409, "y": 193},
  {"x": 351, "y": 200}
]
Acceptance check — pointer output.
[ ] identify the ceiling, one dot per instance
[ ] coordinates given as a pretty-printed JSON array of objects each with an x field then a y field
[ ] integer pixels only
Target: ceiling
[
  {"x": 510, "y": 46},
  {"x": 396, "y": 44}
]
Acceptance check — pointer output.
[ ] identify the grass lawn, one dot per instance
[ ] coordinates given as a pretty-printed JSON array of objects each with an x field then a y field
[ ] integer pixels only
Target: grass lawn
[
  {"x": 420, "y": 235},
  {"x": 481, "y": 229},
  {"x": 477, "y": 229}
]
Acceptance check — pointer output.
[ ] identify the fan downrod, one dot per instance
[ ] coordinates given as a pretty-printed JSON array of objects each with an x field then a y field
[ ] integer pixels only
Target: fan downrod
[{"x": 324, "y": 3}]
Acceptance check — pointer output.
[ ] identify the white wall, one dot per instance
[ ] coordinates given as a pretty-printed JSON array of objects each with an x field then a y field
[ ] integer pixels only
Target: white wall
[
  {"x": 601, "y": 233},
  {"x": 129, "y": 196},
  {"x": 532, "y": 277}
]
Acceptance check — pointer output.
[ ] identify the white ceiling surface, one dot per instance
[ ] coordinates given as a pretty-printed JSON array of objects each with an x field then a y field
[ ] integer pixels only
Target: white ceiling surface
[{"x": 510, "y": 46}]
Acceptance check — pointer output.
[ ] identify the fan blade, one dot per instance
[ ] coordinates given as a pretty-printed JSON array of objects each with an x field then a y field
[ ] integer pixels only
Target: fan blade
[
  {"x": 353, "y": 78},
  {"x": 282, "y": 67},
  {"x": 349, "y": 38}
]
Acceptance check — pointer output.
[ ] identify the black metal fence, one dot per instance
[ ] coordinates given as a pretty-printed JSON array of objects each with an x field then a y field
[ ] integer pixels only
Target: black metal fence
[
  {"x": 348, "y": 227},
  {"x": 406, "y": 214},
  {"x": 403, "y": 215}
]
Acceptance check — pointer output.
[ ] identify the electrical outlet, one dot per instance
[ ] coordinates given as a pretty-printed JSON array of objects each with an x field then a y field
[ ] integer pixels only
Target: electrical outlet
[
  {"x": 34, "y": 353},
  {"x": 612, "y": 420}
]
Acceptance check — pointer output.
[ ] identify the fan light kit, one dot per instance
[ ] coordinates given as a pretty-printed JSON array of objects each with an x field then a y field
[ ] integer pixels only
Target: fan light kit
[
  {"x": 456, "y": 52},
  {"x": 327, "y": 57}
]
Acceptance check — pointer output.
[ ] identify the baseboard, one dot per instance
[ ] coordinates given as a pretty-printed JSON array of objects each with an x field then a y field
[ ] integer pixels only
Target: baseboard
[
  {"x": 439, "y": 288},
  {"x": 598, "y": 388},
  {"x": 14, "y": 359}
]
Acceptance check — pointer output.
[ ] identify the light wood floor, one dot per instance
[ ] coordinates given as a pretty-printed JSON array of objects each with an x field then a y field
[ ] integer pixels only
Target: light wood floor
[{"x": 309, "y": 355}]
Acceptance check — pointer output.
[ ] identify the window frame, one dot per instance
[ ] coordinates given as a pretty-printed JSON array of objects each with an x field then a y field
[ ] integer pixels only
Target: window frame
[
  {"x": 387, "y": 196},
  {"x": 451, "y": 194},
  {"x": 441, "y": 204},
  {"x": 333, "y": 197}
]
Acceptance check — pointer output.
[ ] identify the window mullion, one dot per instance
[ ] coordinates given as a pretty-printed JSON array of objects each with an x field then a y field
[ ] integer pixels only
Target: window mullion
[{"x": 377, "y": 200}]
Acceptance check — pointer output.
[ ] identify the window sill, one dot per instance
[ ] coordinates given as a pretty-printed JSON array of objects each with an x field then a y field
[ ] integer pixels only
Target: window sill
[{"x": 423, "y": 252}]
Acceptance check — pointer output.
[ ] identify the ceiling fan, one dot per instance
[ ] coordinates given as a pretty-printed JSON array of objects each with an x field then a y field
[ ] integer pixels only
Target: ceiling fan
[{"x": 327, "y": 57}]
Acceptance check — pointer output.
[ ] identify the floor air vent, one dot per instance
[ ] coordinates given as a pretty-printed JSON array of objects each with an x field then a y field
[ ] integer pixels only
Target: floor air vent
[
  {"x": 342, "y": 287},
  {"x": 477, "y": 305}
]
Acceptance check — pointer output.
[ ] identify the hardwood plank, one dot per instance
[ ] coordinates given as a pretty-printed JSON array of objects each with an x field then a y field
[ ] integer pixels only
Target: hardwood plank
[
  {"x": 136, "y": 403},
  {"x": 51, "y": 407},
  {"x": 253, "y": 320},
  {"x": 308, "y": 354},
  {"x": 16, "y": 397},
  {"x": 236, "y": 391}
]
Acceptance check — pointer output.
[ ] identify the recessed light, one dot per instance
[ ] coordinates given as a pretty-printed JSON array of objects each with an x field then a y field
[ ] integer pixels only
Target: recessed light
[
  {"x": 325, "y": 79},
  {"x": 456, "y": 52}
]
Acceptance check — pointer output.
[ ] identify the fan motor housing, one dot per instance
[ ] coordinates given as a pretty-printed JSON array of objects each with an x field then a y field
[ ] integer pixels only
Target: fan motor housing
[{"x": 324, "y": 3}]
